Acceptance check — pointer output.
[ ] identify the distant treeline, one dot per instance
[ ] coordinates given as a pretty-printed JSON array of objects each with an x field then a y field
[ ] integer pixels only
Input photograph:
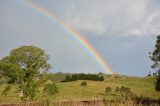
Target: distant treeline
[{"x": 82, "y": 76}]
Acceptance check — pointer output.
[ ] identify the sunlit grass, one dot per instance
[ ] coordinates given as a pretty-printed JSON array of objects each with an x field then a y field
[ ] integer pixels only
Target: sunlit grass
[{"x": 142, "y": 87}]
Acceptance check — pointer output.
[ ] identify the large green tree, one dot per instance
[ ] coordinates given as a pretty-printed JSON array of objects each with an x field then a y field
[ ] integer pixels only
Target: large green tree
[
  {"x": 155, "y": 57},
  {"x": 25, "y": 66}
]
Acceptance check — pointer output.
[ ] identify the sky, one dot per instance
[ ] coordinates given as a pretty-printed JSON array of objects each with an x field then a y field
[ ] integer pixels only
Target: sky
[{"x": 122, "y": 31}]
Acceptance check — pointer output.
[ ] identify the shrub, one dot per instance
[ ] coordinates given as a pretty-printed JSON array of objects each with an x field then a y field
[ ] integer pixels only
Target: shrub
[
  {"x": 124, "y": 94},
  {"x": 117, "y": 90},
  {"x": 50, "y": 89},
  {"x": 84, "y": 83},
  {"x": 108, "y": 90},
  {"x": 7, "y": 88},
  {"x": 49, "y": 93},
  {"x": 125, "y": 90}
]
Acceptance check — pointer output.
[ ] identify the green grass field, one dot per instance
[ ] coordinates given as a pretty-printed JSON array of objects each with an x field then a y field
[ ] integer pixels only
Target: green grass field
[{"x": 142, "y": 87}]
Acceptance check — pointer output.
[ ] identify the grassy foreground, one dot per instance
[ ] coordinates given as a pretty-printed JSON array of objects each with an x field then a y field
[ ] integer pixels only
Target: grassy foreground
[{"x": 142, "y": 87}]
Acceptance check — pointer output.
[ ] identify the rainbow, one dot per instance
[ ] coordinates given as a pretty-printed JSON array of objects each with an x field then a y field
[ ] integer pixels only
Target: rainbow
[{"x": 74, "y": 33}]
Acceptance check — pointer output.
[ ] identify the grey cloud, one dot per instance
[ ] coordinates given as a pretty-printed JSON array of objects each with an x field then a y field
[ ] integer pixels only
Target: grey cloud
[{"x": 119, "y": 17}]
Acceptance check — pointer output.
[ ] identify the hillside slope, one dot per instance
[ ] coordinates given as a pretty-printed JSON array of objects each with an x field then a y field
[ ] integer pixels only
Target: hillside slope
[{"x": 142, "y": 87}]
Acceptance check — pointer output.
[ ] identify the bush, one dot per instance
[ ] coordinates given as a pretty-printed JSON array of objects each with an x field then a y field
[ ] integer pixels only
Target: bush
[
  {"x": 7, "y": 88},
  {"x": 84, "y": 83},
  {"x": 50, "y": 89},
  {"x": 108, "y": 90},
  {"x": 125, "y": 94},
  {"x": 49, "y": 93},
  {"x": 117, "y": 90},
  {"x": 125, "y": 90},
  {"x": 158, "y": 82}
]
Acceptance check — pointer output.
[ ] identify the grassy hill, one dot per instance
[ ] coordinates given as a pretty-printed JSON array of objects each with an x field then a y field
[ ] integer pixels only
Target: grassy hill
[{"x": 142, "y": 87}]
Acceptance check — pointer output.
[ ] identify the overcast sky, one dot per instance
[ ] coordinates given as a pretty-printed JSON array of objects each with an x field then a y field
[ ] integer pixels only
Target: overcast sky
[{"x": 122, "y": 31}]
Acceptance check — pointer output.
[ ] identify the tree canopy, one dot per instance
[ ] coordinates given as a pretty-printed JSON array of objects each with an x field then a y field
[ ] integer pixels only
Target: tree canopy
[
  {"x": 155, "y": 57},
  {"x": 26, "y": 67}
]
